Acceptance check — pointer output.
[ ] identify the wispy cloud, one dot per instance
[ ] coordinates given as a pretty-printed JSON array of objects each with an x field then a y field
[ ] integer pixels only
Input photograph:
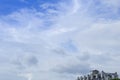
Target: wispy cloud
[{"x": 65, "y": 40}]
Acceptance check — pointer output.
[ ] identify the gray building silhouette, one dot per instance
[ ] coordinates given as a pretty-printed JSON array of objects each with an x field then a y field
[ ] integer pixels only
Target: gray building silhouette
[{"x": 96, "y": 75}]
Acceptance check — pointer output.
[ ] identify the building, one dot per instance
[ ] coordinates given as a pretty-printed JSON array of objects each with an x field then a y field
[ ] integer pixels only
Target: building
[{"x": 96, "y": 75}]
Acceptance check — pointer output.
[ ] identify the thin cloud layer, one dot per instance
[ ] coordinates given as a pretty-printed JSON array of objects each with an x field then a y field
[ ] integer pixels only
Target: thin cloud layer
[{"x": 70, "y": 38}]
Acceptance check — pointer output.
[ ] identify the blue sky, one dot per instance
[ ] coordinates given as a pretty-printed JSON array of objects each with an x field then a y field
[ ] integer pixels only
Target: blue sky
[
  {"x": 8, "y": 6},
  {"x": 58, "y": 39}
]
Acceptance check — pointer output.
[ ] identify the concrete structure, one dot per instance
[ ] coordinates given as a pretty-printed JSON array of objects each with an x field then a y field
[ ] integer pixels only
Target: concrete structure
[{"x": 96, "y": 75}]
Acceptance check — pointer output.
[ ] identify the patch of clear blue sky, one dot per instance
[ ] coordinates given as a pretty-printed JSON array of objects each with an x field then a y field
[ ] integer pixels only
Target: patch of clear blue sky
[
  {"x": 9, "y": 6},
  {"x": 70, "y": 46},
  {"x": 96, "y": 8}
]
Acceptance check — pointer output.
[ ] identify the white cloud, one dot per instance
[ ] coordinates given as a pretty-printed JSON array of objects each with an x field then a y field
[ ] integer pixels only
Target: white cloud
[
  {"x": 76, "y": 6},
  {"x": 27, "y": 75},
  {"x": 30, "y": 35},
  {"x": 112, "y": 3}
]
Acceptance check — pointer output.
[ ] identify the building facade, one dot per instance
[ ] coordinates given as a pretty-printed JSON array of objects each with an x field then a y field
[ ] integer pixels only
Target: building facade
[{"x": 96, "y": 75}]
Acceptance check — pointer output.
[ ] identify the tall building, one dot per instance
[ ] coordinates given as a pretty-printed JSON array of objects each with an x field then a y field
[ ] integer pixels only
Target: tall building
[{"x": 96, "y": 75}]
